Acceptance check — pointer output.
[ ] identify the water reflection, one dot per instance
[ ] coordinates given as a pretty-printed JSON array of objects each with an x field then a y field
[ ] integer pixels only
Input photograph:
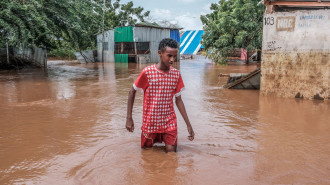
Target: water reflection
[{"x": 293, "y": 142}]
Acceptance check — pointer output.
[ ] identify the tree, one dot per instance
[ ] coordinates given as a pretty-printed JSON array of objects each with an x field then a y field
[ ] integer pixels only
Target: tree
[
  {"x": 233, "y": 24},
  {"x": 117, "y": 14},
  {"x": 62, "y": 23}
]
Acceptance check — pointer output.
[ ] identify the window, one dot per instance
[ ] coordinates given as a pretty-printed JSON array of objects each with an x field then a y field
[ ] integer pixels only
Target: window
[
  {"x": 131, "y": 47},
  {"x": 105, "y": 46},
  {"x": 117, "y": 47},
  {"x": 143, "y": 47},
  {"x": 128, "y": 48},
  {"x": 124, "y": 48}
]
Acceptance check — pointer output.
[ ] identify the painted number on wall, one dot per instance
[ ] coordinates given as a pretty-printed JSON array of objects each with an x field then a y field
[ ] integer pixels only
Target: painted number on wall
[
  {"x": 285, "y": 23},
  {"x": 269, "y": 21}
]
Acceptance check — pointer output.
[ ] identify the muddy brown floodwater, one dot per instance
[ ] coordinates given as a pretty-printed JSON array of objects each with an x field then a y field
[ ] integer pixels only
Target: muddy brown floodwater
[{"x": 66, "y": 126}]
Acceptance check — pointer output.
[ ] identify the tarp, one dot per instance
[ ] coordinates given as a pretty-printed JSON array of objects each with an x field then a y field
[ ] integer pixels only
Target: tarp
[{"x": 191, "y": 42}]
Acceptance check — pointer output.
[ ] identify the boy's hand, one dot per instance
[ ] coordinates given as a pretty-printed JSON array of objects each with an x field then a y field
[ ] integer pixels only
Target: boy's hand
[
  {"x": 191, "y": 133},
  {"x": 130, "y": 124}
]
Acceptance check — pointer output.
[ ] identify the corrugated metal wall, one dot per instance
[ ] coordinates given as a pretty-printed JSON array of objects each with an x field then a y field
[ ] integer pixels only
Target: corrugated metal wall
[
  {"x": 88, "y": 56},
  {"x": 133, "y": 34},
  {"x": 124, "y": 34},
  {"x": 35, "y": 55},
  {"x": 109, "y": 47},
  {"x": 152, "y": 35},
  {"x": 121, "y": 58},
  {"x": 174, "y": 34}
]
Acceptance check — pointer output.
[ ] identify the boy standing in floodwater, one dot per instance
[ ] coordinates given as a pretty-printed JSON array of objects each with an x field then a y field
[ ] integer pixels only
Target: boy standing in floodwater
[{"x": 160, "y": 82}]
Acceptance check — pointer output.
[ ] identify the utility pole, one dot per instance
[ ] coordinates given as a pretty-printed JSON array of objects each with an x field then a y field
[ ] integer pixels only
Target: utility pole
[{"x": 103, "y": 32}]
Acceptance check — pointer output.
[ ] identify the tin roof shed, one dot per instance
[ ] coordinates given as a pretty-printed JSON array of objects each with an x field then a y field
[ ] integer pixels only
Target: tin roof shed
[{"x": 137, "y": 43}]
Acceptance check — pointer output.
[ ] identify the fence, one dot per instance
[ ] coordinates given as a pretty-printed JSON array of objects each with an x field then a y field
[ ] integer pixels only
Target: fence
[{"x": 33, "y": 55}]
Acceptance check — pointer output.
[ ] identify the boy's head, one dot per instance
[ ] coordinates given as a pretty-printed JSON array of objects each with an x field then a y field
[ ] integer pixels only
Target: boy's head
[
  {"x": 171, "y": 43},
  {"x": 167, "y": 51}
]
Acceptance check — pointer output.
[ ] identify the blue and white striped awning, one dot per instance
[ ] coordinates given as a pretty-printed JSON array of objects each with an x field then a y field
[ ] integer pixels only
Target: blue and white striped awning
[{"x": 190, "y": 42}]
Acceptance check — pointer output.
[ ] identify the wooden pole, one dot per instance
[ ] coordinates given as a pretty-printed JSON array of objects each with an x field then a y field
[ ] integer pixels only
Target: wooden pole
[
  {"x": 7, "y": 51},
  {"x": 45, "y": 61},
  {"x": 103, "y": 33}
]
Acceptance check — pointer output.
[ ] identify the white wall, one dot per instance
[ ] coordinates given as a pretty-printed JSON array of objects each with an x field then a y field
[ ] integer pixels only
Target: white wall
[{"x": 296, "y": 54}]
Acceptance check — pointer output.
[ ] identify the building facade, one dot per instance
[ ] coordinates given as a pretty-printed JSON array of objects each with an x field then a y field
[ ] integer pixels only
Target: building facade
[
  {"x": 296, "y": 49},
  {"x": 138, "y": 44}
]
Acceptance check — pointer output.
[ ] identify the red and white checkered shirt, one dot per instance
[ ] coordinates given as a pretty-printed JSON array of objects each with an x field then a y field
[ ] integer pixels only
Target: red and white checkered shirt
[{"x": 159, "y": 88}]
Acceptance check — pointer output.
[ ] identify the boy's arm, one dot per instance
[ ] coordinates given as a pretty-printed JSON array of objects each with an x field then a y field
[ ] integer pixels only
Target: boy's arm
[
  {"x": 182, "y": 109},
  {"x": 130, "y": 102}
]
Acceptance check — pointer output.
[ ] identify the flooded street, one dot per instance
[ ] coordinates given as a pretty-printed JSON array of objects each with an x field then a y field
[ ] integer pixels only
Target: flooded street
[{"x": 67, "y": 126}]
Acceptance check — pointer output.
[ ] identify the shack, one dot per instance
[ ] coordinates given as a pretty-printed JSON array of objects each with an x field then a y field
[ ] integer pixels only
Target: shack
[
  {"x": 134, "y": 44},
  {"x": 296, "y": 49}
]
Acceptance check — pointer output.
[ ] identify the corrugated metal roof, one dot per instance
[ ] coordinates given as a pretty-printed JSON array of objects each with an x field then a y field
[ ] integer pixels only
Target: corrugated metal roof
[
  {"x": 159, "y": 27},
  {"x": 191, "y": 42}
]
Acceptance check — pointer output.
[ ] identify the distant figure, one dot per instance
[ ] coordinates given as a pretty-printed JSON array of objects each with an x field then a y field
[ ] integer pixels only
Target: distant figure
[{"x": 160, "y": 82}]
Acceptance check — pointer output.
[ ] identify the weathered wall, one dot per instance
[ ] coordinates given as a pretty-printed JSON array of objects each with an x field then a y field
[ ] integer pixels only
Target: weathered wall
[
  {"x": 88, "y": 56},
  {"x": 296, "y": 54},
  {"x": 109, "y": 47},
  {"x": 152, "y": 35},
  {"x": 37, "y": 56}
]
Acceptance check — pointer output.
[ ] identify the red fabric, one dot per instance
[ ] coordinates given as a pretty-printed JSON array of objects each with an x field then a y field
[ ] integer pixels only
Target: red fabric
[
  {"x": 243, "y": 54},
  {"x": 169, "y": 138},
  {"x": 159, "y": 89}
]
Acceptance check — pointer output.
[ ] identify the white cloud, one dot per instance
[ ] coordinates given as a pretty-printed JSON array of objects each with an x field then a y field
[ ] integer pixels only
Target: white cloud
[
  {"x": 162, "y": 14},
  {"x": 207, "y": 7},
  {"x": 189, "y": 21}
]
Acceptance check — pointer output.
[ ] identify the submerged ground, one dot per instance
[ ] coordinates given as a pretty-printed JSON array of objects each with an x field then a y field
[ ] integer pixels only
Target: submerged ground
[{"x": 67, "y": 126}]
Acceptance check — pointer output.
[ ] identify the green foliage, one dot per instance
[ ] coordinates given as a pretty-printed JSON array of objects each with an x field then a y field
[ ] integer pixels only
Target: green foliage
[
  {"x": 233, "y": 24},
  {"x": 146, "y": 23},
  {"x": 62, "y": 53},
  {"x": 62, "y": 23}
]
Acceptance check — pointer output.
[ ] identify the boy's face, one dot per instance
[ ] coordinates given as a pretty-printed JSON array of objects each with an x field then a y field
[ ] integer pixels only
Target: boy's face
[{"x": 168, "y": 56}]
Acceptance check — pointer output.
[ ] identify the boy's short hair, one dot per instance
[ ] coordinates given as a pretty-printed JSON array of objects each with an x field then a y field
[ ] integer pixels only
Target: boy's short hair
[{"x": 167, "y": 42}]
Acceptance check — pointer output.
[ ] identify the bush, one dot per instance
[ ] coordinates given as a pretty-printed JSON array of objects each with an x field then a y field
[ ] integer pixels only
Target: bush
[{"x": 62, "y": 53}]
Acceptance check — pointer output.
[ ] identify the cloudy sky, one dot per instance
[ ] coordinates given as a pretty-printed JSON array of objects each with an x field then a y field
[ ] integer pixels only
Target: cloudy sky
[{"x": 185, "y": 13}]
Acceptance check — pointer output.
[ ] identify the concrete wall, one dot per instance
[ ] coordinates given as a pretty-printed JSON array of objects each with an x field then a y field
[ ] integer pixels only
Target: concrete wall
[{"x": 296, "y": 54}]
